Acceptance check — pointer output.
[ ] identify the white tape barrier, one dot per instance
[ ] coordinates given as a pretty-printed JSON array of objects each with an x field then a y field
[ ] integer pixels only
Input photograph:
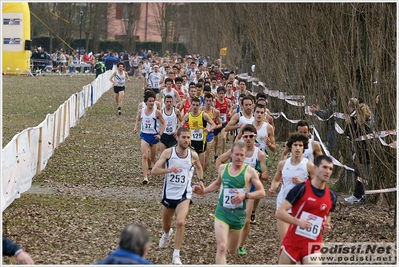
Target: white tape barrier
[
  {"x": 339, "y": 130},
  {"x": 289, "y": 99},
  {"x": 335, "y": 161},
  {"x": 386, "y": 190}
]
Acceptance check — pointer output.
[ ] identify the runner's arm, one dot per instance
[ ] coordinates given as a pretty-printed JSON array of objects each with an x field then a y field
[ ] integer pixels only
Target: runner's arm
[
  {"x": 215, "y": 185},
  {"x": 285, "y": 153},
  {"x": 270, "y": 140},
  {"x": 159, "y": 167},
  {"x": 223, "y": 158},
  {"x": 262, "y": 161},
  {"x": 232, "y": 123},
  {"x": 162, "y": 120},
  {"x": 277, "y": 178}
]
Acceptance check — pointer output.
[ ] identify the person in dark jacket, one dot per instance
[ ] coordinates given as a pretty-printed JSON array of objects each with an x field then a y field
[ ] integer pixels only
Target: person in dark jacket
[
  {"x": 12, "y": 249},
  {"x": 327, "y": 115},
  {"x": 133, "y": 247},
  {"x": 358, "y": 124},
  {"x": 110, "y": 61}
]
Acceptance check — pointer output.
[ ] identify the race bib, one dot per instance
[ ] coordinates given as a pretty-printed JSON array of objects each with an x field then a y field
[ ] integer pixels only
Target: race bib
[
  {"x": 169, "y": 127},
  {"x": 223, "y": 117},
  {"x": 313, "y": 231},
  {"x": 228, "y": 194},
  {"x": 197, "y": 135}
]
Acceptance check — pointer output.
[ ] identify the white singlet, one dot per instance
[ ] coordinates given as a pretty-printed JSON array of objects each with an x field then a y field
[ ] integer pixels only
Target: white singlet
[
  {"x": 308, "y": 153},
  {"x": 253, "y": 160},
  {"x": 120, "y": 78},
  {"x": 260, "y": 141},
  {"x": 244, "y": 120},
  {"x": 149, "y": 123},
  {"x": 176, "y": 185},
  {"x": 288, "y": 172},
  {"x": 170, "y": 120}
]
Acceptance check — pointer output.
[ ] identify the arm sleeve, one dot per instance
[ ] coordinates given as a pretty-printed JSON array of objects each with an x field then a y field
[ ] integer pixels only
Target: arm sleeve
[
  {"x": 9, "y": 247},
  {"x": 324, "y": 114},
  {"x": 296, "y": 193}
]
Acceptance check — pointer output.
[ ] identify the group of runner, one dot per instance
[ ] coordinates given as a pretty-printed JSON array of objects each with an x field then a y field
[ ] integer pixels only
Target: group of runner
[{"x": 187, "y": 118}]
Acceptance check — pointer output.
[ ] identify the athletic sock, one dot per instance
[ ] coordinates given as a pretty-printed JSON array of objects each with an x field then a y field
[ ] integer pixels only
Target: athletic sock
[{"x": 176, "y": 252}]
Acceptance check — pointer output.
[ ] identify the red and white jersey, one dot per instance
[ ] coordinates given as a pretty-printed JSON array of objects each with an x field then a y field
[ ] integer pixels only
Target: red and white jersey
[
  {"x": 309, "y": 206},
  {"x": 223, "y": 108}
]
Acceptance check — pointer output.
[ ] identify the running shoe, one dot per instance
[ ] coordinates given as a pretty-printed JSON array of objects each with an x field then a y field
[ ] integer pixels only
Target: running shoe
[
  {"x": 253, "y": 220},
  {"x": 354, "y": 200},
  {"x": 164, "y": 239},
  {"x": 145, "y": 180},
  {"x": 119, "y": 112},
  {"x": 241, "y": 251},
  {"x": 176, "y": 260}
]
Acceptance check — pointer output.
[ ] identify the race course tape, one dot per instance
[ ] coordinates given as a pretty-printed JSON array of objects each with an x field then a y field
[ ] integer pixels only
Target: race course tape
[{"x": 369, "y": 192}]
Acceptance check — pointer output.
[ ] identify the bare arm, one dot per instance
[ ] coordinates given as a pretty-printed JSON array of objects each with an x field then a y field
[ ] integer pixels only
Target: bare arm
[
  {"x": 183, "y": 121},
  {"x": 210, "y": 121},
  {"x": 111, "y": 79},
  {"x": 252, "y": 178},
  {"x": 223, "y": 159},
  {"x": 138, "y": 118},
  {"x": 285, "y": 153},
  {"x": 159, "y": 167},
  {"x": 198, "y": 167},
  {"x": 277, "y": 178},
  {"x": 232, "y": 123},
  {"x": 262, "y": 161},
  {"x": 218, "y": 120},
  {"x": 310, "y": 168},
  {"x": 316, "y": 149},
  {"x": 270, "y": 141},
  {"x": 215, "y": 185},
  {"x": 162, "y": 120}
]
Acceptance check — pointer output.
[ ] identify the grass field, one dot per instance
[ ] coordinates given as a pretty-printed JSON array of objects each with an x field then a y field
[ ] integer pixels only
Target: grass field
[{"x": 91, "y": 188}]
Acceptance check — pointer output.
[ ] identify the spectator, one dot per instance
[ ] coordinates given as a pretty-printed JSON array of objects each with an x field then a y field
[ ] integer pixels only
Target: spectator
[
  {"x": 12, "y": 249},
  {"x": 110, "y": 61},
  {"x": 358, "y": 124},
  {"x": 327, "y": 114},
  {"x": 133, "y": 247},
  {"x": 99, "y": 67}
]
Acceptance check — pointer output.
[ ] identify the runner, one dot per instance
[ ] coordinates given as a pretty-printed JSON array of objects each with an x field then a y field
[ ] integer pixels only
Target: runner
[
  {"x": 311, "y": 203},
  {"x": 170, "y": 91},
  {"x": 197, "y": 124},
  {"x": 290, "y": 172},
  {"x": 234, "y": 181},
  {"x": 177, "y": 163},
  {"x": 223, "y": 105},
  {"x": 313, "y": 150},
  {"x": 150, "y": 135},
  {"x": 118, "y": 80},
  {"x": 245, "y": 115},
  {"x": 215, "y": 116},
  {"x": 255, "y": 158},
  {"x": 154, "y": 79},
  {"x": 172, "y": 119}
]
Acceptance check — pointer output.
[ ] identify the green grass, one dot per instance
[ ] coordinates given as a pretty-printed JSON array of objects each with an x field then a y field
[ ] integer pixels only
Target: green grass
[{"x": 27, "y": 100}]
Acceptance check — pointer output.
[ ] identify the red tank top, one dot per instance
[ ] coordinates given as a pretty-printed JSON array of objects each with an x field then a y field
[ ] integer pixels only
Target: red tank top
[
  {"x": 313, "y": 207},
  {"x": 186, "y": 107},
  {"x": 224, "y": 110}
]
